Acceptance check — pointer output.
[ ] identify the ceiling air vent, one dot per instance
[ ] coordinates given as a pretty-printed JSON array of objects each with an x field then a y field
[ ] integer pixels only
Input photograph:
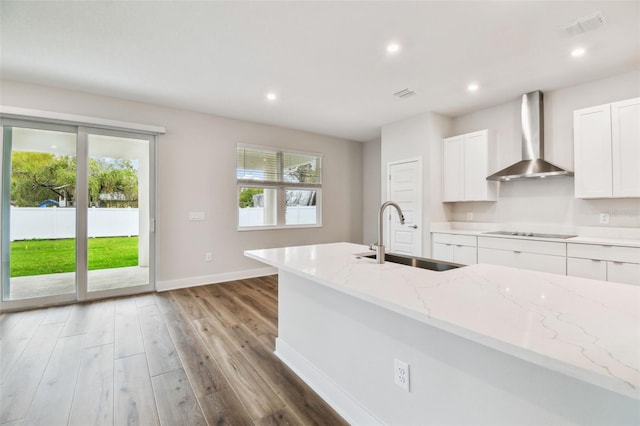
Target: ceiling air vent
[
  {"x": 404, "y": 93},
  {"x": 586, "y": 23}
]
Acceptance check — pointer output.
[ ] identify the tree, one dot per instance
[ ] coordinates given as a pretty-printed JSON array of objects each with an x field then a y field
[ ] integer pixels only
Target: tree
[
  {"x": 113, "y": 183},
  {"x": 246, "y": 196},
  {"x": 36, "y": 177},
  {"x": 304, "y": 173}
]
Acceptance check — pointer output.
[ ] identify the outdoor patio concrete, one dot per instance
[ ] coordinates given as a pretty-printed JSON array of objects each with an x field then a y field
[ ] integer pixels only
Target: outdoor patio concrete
[{"x": 54, "y": 284}]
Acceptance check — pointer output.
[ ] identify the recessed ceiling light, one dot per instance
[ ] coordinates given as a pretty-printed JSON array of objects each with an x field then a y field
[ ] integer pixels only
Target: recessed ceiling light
[
  {"x": 53, "y": 146},
  {"x": 272, "y": 96},
  {"x": 473, "y": 87},
  {"x": 577, "y": 52},
  {"x": 393, "y": 48}
]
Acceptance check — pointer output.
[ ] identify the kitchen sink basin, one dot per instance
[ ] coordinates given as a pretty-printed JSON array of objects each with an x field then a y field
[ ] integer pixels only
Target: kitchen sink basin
[{"x": 417, "y": 262}]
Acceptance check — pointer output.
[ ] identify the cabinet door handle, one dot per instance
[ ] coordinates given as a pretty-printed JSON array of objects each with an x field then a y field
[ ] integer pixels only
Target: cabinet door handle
[
  {"x": 596, "y": 260},
  {"x": 414, "y": 226},
  {"x": 516, "y": 251},
  {"x": 617, "y": 262},
  {"x": 458, "y": 245}
]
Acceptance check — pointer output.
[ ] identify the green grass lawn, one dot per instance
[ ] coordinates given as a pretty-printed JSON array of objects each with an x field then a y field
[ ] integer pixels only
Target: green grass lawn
[{"x": 39, "y": 257}]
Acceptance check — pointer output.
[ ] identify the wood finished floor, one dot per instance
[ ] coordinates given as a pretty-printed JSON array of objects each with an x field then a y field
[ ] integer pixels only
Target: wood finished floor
[{"x": 195, "y": 356}]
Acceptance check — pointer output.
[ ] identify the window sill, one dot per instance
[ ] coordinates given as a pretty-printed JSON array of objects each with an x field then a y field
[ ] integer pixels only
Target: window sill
[{"x": 275, "y": 227}]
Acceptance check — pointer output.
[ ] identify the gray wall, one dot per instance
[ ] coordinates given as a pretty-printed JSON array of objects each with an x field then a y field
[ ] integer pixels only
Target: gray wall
[
  {"x": 419, "y": 137},
  {"x": 549, "y": 201},
  {"x": 196, "y": 172},
  {"x": 371, "y": 190}
]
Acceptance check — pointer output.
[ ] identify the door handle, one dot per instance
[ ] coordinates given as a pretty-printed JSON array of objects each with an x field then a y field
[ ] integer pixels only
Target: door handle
[{"x": 414, "y": 226}]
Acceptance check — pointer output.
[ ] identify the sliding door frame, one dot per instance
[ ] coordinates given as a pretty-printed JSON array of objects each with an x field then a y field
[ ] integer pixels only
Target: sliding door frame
[
  {"x": 82, "y": 157},
  {"x": 5, "y": 201},
  {"x": 82, "y": 248}
]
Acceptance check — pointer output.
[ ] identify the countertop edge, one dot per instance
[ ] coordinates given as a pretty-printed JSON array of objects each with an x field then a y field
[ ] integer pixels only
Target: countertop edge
[{"x": 621, "y": 242}]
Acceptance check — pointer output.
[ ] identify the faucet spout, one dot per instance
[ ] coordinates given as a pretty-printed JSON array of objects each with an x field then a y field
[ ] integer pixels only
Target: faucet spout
[{"x": 379, "y": 246}]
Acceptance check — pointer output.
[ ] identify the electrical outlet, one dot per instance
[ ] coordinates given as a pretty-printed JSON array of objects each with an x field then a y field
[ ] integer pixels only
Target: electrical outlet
[
  {"x": 470, "y": 216},
  {"x": 604, "y": 218},
  {"x": 401, "y": 374},
  {"x": 208, "y": 257}
]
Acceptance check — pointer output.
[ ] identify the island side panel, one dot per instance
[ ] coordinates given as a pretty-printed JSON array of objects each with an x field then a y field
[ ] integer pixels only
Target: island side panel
[{"x": 345, "y": 349}]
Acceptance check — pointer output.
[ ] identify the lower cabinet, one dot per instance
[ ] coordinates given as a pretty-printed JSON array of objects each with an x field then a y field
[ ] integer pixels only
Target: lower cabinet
[
  {"x": 623, "y": 272},
  {"x": 594, "y": 261},
  {"x": 595, "y": 269},
  {"x": 603, "y": 262},
  {"x": 543, "y": 256},
  {"x": 455, "y": 248}
]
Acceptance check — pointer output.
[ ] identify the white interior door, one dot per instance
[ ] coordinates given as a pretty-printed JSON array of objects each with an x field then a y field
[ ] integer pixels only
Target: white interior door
[{"x": 405, "y": 188}]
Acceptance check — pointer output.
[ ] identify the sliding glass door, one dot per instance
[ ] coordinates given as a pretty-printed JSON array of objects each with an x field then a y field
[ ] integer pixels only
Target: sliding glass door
[
  {"x": 118, "y": 211},
  {"x": 39, "y": 213},
  {"x": 77, "y": 213}
]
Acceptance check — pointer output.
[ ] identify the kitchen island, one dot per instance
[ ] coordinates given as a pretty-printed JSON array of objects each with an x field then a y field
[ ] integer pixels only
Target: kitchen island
[{"x": 485, "y": 344}]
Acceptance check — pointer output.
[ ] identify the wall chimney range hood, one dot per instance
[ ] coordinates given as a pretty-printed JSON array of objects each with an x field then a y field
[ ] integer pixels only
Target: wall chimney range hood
[{"x": 532, "y": 165}]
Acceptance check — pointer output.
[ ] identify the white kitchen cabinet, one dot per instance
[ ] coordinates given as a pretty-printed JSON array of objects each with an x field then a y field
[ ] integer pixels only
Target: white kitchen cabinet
[
  {"x": 523, "y": 260},
  {"x": 455, "y": 248},
  {"x": 442, "y": 251},
  {"x": 544, "y": 256},
  {"x": 607, "y": 150},
  {"x": 625, "y": 145},
  {"x": 604, "y": 262},
  {"x": 622, "y": 272},
  {"x": 594, "y": 269},
  {"x": 453, "y": 169},
  {"x": 466, "y": 162}
]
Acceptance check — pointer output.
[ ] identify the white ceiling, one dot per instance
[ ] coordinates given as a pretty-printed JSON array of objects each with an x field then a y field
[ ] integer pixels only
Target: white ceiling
[{"x": 326, "y": 60}]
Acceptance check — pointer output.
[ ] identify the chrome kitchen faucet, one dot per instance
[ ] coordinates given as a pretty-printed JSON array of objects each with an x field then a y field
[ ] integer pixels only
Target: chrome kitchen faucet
[{"x": 379, "y": 248}]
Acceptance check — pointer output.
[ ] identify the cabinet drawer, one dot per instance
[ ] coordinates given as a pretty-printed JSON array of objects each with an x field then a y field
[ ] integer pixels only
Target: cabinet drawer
[
  {"x": 465, "y": 255},
  {"x": 532, "y": 261},
  {"x": 603, "y": 252},
  {"x": 587, "y": 268},
  {"x": 626, "y": 273},
  {"x": 443, "y": 252},
  {"x": 457, "y": 239},
  {"x": 521, "y": 245}
]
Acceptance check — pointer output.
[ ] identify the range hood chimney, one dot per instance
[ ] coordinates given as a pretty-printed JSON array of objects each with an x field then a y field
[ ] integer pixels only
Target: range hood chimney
[{"x": 532, "y": 164}]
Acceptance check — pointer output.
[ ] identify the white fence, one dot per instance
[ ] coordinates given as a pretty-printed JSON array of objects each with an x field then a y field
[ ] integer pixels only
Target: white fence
[
  {"x": 60, "y": 222},
  {"x": 254, "y": 216}
]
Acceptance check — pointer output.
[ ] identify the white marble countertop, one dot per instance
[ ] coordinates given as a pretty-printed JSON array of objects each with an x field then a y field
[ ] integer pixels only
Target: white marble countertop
[
  {"x": 605, "y": 241},
  {"x": 586, "y": 329},
  {"x": 473, "y": 232},
  {"x": 483, "y": 230},
  {"x": 578, "y": 239}
]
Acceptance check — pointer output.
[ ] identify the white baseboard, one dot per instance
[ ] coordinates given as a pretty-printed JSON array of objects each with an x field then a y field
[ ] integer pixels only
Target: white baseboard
[
  {"x": 212, "y": 279},
  {"x": 334, "y": 395}
]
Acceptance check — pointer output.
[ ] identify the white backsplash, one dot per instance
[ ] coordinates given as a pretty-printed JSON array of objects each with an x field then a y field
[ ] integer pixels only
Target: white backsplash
[{"x": 548, "y": 204}]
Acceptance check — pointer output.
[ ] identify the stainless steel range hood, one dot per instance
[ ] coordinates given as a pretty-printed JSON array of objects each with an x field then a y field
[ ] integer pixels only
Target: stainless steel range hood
[{"x": 532, "y": 165}]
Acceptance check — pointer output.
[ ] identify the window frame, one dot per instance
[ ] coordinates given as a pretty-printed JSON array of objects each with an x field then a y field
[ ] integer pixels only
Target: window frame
[{"x": 281, "y": 187}]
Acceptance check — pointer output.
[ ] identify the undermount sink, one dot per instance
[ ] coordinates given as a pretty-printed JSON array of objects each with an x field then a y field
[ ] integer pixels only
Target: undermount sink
[{"x": 417, "y": 262}]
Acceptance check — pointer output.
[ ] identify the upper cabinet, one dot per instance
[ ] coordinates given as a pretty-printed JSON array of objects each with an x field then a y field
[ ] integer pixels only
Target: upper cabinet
[
  {"x": 466, "y": 162},
  {"x": 607, "y": 150}
]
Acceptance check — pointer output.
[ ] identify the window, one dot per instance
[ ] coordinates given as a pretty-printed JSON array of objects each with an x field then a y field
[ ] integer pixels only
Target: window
[{"x": 278, "y": 188}]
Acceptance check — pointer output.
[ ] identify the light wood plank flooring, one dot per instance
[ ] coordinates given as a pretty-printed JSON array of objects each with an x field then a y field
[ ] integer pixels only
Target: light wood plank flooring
[{"x": 196, "y": 356}]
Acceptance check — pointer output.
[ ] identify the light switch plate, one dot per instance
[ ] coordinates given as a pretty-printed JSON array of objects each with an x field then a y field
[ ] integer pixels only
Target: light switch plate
[{"x": 196, "y": 216}]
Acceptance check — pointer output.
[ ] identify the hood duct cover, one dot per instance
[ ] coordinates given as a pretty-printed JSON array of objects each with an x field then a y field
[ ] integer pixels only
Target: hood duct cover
[{"x": 532, "y": 164}]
